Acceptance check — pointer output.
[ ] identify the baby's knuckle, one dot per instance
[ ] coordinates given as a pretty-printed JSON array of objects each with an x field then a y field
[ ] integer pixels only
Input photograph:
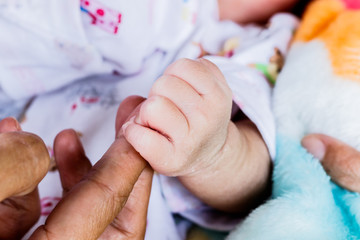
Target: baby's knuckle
[
  {"x": 151, "y": 105},
  {"x": 185, "y": 62},
  {"x": 202, "y": 116},
  {"x": 160, "y": 85},
  {"x": 181, "y": 65},
  {"x": 220, "y": 102}
]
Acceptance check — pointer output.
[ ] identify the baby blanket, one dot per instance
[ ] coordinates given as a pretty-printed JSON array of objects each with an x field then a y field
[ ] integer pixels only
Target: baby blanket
[{"x": 317, "y": 92}]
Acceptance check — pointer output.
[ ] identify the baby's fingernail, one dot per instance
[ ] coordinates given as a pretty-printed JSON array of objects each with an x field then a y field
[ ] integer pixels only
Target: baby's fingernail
[
  {"x": 137, "y": 119},
  {"x": 314, "y": 146}
]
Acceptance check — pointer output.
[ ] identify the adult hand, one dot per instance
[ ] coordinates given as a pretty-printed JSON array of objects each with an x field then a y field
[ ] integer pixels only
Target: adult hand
[
  {"x": 339, "y": 160},
  {"x": 24, "y": 161},
  {"x": 106, "y": 201}
]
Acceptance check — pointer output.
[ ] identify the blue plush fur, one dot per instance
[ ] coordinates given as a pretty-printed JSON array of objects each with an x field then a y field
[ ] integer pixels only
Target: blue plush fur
[
  {"x": 305, "y": 203},
  {"x": 317, "y": 91}
]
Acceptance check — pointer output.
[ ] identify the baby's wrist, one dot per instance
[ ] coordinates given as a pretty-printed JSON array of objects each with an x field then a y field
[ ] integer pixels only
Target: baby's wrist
[
  {"x": 239, "y": 172},
  {"x": 217, "y": 184}
]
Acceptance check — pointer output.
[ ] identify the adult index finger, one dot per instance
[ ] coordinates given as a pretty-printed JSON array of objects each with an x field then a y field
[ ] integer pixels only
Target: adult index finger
[{"x": 91, "y": 205}]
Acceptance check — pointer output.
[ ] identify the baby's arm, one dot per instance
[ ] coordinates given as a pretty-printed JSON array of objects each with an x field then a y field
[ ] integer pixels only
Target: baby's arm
[
  {"x": 183, "y": 129},
  {"x": 246, "y": 11},
  {"x": 238, "y": 179}
]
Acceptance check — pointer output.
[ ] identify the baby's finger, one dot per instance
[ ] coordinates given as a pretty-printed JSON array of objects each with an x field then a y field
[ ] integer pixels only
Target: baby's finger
[
  {"x": 70, "y": 159},
  {"x": 9, "y": 125},
  {"x": 211, "y": 67},
  {"x": 181, "y": 93},
  {"x": 339, "y": 160},
  {"x": 152, "y": 145},
  {"x": 160, "y": 114},
  {"x": 202, "y": 75},
  {"x": 127, "y": 106}
]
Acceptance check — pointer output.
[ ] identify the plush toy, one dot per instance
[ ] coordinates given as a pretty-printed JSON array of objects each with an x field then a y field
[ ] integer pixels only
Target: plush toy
[{"x": 317, "y": 91}]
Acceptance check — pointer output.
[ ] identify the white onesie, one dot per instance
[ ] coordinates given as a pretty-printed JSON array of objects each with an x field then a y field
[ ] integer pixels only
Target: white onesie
[{"x": 80, "y": 59}]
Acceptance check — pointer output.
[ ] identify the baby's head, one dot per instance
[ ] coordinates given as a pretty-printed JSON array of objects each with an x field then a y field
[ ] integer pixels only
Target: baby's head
[{"x": 245, "y": 11}]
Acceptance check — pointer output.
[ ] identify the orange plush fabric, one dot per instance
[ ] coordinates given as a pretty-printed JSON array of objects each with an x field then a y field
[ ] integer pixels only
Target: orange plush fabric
[{"x": 337, "y": 24}]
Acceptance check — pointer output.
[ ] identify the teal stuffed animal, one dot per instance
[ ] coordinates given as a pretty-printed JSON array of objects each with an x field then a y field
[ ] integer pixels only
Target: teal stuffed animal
[{"x": 318, "y": 91}]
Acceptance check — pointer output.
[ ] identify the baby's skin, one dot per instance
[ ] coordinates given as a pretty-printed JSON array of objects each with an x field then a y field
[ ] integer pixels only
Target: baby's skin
[{"x": 184, "y": 129}]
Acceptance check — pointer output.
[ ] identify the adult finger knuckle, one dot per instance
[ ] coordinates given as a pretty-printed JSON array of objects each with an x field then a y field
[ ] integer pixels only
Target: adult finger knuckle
[{"x": 114, "y": 199}]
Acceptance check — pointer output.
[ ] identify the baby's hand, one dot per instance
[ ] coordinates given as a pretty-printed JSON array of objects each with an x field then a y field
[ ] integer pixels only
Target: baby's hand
[{"x": 182, "y": 126}]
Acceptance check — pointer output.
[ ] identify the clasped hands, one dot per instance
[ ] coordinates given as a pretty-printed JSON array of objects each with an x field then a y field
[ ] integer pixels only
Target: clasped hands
[
  {"x": 123, "y": 216},
  {"x": 106, "y": 201},
  {"x": 110, "y": 199}
]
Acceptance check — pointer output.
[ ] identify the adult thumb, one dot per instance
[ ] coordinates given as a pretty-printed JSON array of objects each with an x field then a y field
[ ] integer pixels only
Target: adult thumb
[{"x": 340, "y": 161}]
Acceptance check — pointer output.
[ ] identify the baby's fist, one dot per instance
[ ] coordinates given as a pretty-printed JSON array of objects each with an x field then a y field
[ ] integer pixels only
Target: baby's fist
[{"x": 182, "y": 126}]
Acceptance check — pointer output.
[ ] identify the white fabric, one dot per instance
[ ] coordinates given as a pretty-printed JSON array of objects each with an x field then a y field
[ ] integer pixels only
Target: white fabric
[{"x": 81, "y": 68}]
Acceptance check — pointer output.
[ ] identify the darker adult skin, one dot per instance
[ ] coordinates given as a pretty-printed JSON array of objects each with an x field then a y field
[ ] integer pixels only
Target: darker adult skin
[{"x": 107, "y": 200}]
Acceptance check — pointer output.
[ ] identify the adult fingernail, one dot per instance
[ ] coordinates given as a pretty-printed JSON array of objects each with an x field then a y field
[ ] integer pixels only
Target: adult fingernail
[
  {"x": 314, "y": 146},
  {"x": 15, "y": 124},
  {"x": 125, "y": 125}
]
